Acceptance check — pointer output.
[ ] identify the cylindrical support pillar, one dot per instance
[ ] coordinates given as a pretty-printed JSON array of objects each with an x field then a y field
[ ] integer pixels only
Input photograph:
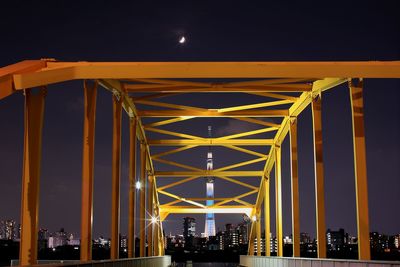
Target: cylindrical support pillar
[
  {"x": 278, "y": 200},
  {"x": 258, "y": 229},
  {"x": 295, "y": 188},
  {"x": 34, "y": 112},
  {"x": 267, "y": 217},
  {"x": 319, "y": 177},
  {"x": 132, "y": 188},
  {"x": 360, "y": 168},
  {"x": 150, "y": 213},
  {"x": 89, "y": 119},
  {"x": 142, "y": 210},
  {"x": 116, "y": 176}
]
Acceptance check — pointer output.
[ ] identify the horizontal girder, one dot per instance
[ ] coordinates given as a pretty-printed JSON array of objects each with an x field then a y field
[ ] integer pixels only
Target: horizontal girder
[
  {"x": 208, "y": 173},
  {"x": 239, "y": 209},
  {"x": 214, "y": 113},
  {"x": 211, "y": 142},
  {"x": 64, "y": 71}
]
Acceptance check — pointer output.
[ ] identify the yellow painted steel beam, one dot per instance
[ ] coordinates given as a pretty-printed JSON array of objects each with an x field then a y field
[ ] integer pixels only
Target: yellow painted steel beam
[
  {"x": 6, "y": 74},
  {"x": 89, "y": 121},
  {"x": 169, "y": 121},
  {"x": 64, "y": 71},
  {"x": 267, "y": 217},
  {"x": 236, "y": 197},
  {"x": 260, "y": 122},
  {"x": 247, "y": 151},
  {"x": 213, "y": 113},
  {"x": 240, "y": 201},
  {"x": 168, "y": 105},
  {"x": 172, "y": 151},
  {"x": 237, "y": 182},
  {"x": 219, "y": 88},
  {"x": 170, "y": 82},
  {"x": 211, "y": 142},
  {"x": 178, "y": 182},
  {"x": 132, "y": 188},
  {"x": 250, "y": 250},
  {"x": 243, "y": 163},
  {"x": 360, "y": 169},
  {"x": 150, "y": 214},
  {"x": 248, "y": 133},
  {"x": 236, "y": 209},
  {"x": 208, "y": 173},
  {"x": 130, "y": 108},
  {"x": 33, "y": 125},
  {"x": 295, "y": 188},
  {"x": 182, "y": 135},
  {"x": 153, "y": 96},
  {"x": 258, "y": 230},
  {"x": 276, "y": 96},
  {"x": 267, "y": 82},
  {"x": 319, "y": 177},
  {"x": 257, "y": 105},
  {"x": 116, "y": 177},
  {"x": 212, "y": 198},
  {"x": 142, "y": 204},
  {"x": 173, "y": 163},
  {"x": 180, "y": 198},
  {"x": 278, "y": 201}
]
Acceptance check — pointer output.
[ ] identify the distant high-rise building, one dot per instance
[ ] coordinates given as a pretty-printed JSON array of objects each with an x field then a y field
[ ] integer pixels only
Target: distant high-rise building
[
  {"x": 210, "y": 218},
  {"x": 189, "y": 226},
  {"x": 273, "y": 244},
  {"x": 397, "y": 241},
  {"x": 189, "y": 230},
  {"x": 231, "y": 236},
  {"x": 58, "y": 239},
  {"x": 378, "y": 242},
  {"x": 336, "y": 239},
  {"x": 8, "y": 230},
  {"x": 43, "y": 238},
  {"x": 221, "y": 240},
  {"x": 287, "y": 240},
  {"x": 243, "y": 229},
  {"x": 262, "y": 243},
  {"x": 305, "y": 238}
]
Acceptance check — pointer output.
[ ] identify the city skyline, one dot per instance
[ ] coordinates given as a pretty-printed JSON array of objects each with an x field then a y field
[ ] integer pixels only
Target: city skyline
[{"x": 371, "y": 33}]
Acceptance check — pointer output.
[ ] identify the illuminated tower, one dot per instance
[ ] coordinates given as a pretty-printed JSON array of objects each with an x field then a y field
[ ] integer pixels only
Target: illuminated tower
[{"x": 210, "y": 219}]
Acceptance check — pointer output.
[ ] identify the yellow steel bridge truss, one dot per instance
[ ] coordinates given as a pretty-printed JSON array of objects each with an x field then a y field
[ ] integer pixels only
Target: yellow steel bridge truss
[{"x": 285, "y": 89}]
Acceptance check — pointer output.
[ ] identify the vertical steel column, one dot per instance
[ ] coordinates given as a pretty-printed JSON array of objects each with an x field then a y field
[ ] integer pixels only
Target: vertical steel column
[
  {"x": 116, "y": 176},
  {"x": 295, "y": 188},
  {"x": 267, "y": 217},
  {"x": 34, "y": 111},
  {"x": 89, "y": 121},
  {"x": 278, "y": 200},
  {"x": 132, "y": 187},
  {"x": 319, "y": 177},
  {"x": 251, "y": 239},
  {"x": 360, "y": 168},
  {"x": 142, "y": 214},
  {"x": 156, "y": 239},
  {"x": 161, "y": 239},
  {"x": 150, "y": 213},
  {"x": 258, "y": 228}
]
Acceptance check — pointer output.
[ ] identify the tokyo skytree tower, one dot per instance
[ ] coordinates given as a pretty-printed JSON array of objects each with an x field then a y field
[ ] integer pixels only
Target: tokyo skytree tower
[{"x": 210, "y": 219}]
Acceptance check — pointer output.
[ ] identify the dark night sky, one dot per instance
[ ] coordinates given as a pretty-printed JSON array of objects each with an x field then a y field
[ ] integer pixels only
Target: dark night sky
[{"x": 223, "y": 31}]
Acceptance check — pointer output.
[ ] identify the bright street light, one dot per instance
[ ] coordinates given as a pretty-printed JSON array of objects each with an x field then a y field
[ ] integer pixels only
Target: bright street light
[{"x": 138, "y": 185}]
